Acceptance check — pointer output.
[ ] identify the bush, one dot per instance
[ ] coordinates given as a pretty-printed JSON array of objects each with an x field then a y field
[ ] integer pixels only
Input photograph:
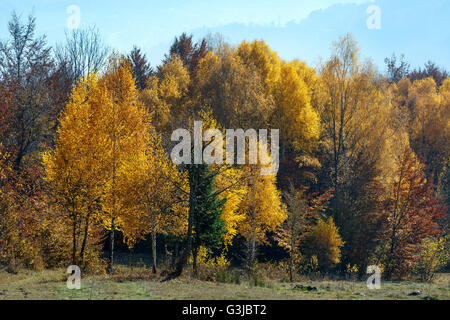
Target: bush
[
  {"x": 433, "y": 256},
  {"x": 351, "y": 272},
  {"x": 309, "y": 266},
  {"x": 257, "y": 280},
  {"x": 211, "y": 268},
  {"x": 324, "y": 243},
  {"x": 227, "y": 276}
]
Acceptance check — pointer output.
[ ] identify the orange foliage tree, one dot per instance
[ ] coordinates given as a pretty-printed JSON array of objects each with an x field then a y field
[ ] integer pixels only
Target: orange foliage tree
[{"x": 411, "y": 214}]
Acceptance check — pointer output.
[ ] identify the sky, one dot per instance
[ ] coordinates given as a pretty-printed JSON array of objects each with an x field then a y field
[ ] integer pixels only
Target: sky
[{"x": 294, "y": 28}]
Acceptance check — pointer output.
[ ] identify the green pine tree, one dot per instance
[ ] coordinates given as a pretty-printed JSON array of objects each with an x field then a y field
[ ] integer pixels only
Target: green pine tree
[{"x": 208, "y": 225}]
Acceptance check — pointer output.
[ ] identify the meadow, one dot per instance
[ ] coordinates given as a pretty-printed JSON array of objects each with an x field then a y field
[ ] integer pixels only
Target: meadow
[{"x": 138, "y": 283}]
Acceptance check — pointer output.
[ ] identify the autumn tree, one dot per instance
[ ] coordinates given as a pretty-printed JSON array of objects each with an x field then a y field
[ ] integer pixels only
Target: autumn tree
[
  {"x": 443, "y": 177},
  {"x": 346, "y": 84},
  {"x": 32, "y": 89},
  {"x": 399, "y": 93},
  {"x": 6, "y": 99},
  {"x": 26, "y": 66},
  {"x": 231, "y": 182},
  {"x": 140, "y": 67},
  {"x": 356, "y": 117},
  {"x": 84, "y": 52},
  {"x": 432, "y": 70},
  {"x": 263, "y": 211},
  {"x": 428, "y": 118},
  {"x": 10, "y": 243},
  {"x": 397, "y": 69},
  {"x": 434, "y": 254},
  {"x": 233, "y": 92},
  {"x": 324, "y": 242},
  {"x": 265, "y": 61},
  {"x": 188, "y": 51},
  {"x": 289, "y": 89},
  {"x": 303, "y": 212},
  {"x": 73, "y": 170},
  {"x": 157, "y": 206},
  {"x": 166, "y": 95},
  {"x": 24, "y": 222},
  {"x": 124, "y": 131},
  {"x": 411, "y": 214},
  {"x": 293, "y": 110},
  {"x": 99, "y": 127}
]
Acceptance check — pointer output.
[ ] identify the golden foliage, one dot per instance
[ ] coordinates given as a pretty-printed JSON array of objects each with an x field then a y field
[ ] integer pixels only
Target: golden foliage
[{"x": 325, "y": 243}]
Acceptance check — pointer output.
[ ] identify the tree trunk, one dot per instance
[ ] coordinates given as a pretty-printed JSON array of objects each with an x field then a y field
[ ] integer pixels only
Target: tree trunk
[
  {"x": 83, "y": 245},
  {"x": 131, "y": 258},
  {"x": 74, "y": 242},
  {"x": 291, "y": 265},
  {"x": 253, "y": 252},
  {"x": 194, "y": 261},
  {"x": 182, "y": 261},
  {"x": 292, "y": 252},
  {"x": 111, "y": 247},
  {"x": 154, "y": 251},
  {"x": 174, "y": 255},
  {"x": 111, "y": 239}
]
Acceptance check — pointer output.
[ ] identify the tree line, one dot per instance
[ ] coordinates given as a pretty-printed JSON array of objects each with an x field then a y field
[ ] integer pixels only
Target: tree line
[{"x": 85, "y": 157}]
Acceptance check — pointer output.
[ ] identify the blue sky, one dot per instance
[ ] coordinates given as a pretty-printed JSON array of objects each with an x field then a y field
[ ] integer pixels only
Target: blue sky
[{"x": 294, "y": 28}]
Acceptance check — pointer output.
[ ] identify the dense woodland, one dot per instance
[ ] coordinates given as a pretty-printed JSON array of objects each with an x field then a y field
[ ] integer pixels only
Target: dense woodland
[{"x": 85, "y": 167}]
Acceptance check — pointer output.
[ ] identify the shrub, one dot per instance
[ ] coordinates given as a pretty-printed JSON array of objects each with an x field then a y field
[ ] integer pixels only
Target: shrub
[
  {"x": 351, "y": 272},
  {"x": 227, "y": 276},
  {"x": 323, "y": 242},
  {"x": 309, "y": 266},
  {"x": 213, "y": 268},
  {"x": 434, "y": 255}
]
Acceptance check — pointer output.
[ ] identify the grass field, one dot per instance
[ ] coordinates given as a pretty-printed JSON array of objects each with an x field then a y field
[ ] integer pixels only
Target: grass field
[{"x": 51, "y": 284}]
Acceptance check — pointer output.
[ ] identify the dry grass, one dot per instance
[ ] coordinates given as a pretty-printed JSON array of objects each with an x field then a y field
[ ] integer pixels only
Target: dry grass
[{"x": 139, "y": 283}]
